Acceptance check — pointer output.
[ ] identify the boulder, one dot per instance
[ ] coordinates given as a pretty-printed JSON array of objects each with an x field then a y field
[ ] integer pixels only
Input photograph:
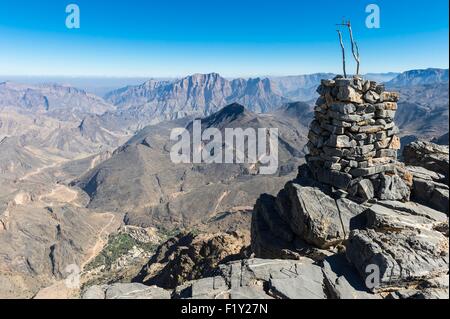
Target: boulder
[
  {"x": 429, "y": 188},
  {"x": 272, "y": 237},
  {"x": 317, "y": 218},
  {"x": 402, "y": 241},
  {"x": 342, "y": 280},
  {"x": 392, "y": 187},
  {"x": 428, "y": 155}
]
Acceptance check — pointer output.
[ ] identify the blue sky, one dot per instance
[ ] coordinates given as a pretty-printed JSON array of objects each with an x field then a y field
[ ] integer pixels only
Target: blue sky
[{"x": 234, "y": 37}]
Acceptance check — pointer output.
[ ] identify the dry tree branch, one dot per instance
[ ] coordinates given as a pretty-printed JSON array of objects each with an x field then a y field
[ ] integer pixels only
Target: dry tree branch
[
  {"x": 343, "y": 52},
  {"x": 355, "y": 49}
]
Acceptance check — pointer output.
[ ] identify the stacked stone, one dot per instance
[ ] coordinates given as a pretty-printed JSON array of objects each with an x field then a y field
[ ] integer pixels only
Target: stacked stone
[{"x": 352, "y": 140}]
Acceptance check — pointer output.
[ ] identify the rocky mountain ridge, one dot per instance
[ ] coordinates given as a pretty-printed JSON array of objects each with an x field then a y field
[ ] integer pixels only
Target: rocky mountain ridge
[
  {"x": 315, "y": 241},
  {"x": 45, "y": 146}
]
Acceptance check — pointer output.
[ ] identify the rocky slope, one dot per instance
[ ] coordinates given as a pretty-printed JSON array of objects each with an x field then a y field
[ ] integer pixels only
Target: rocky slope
[
  {"x": 406, "y": 242},
  {"x": 168, "y": 194}
]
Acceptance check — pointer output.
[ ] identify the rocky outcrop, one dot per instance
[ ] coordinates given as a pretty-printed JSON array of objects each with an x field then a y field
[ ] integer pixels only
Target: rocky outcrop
[
  {"x": 189, "y": 257},
  {"x": 428, "y": 155},
  {"x": 394, "y": 247},
  {"x": 404, "y": 241},
  {"x": 302, "y": 219},
  {"x": 429, "y": 167}
]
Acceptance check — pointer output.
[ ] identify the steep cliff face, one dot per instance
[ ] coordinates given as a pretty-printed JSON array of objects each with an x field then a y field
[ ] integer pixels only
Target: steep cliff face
[{"x": 198, "y": 95}]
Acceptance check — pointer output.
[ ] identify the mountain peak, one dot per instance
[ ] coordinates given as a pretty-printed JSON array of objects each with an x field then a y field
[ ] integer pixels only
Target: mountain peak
[
  {"x": 228, "y": 114},
  {"x": 233, "y": 109}
]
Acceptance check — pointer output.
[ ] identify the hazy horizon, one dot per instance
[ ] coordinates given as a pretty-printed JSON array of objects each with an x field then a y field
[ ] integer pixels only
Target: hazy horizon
[{"x": 3, "y": 77}]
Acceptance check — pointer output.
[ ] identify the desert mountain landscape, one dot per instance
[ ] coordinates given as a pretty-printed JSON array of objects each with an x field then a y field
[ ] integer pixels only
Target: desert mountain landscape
[{"x": 87, "y": 180}]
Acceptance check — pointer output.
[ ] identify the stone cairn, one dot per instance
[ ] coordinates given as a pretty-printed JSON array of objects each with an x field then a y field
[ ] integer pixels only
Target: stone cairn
[{"x": 352, "y": 140}]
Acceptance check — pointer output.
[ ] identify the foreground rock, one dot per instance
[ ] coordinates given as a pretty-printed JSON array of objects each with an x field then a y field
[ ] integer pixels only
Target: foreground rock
[
  {"x": 405, "y": 241},
  {"x": 428, "y": 155},
  {"x": 253, "y": 279},
  {"x": 189, "y": 257},
  {"x": 302, "y": 220},
  {"x": 429, "y": 167},
  {"x": 125, "y": 291}
]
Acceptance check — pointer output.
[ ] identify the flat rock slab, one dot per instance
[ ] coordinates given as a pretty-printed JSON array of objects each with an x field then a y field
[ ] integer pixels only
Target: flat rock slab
[
  {"x": 209, "y": 288},
  {"x": 247, "y": 279},
  {"x": 300, "y": 281},
  {"x": 126, "y": 291}
]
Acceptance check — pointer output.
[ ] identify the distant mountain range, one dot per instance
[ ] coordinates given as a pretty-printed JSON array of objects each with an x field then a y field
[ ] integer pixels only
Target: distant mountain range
[
  {"x": 198, "y": 94},
  {"x": 419, "y": 77},
  {"x": 58, "y": 101},
  {"x": 423, "y": 108}
]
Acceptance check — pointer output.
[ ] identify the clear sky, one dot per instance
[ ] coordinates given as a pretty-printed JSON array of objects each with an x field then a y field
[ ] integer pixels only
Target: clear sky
[{"x": 160, "y": 38}]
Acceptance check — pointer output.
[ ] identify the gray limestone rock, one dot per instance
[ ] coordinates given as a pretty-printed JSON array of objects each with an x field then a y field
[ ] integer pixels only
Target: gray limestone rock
[
  {"x": 342, "y": 280},
  {"x": 372, "y": 97},
  {"x": 392, "y": 187},
  {"x": 403, "y": 246},
  {"x": 366, "y": 190},
  {"x": 317, "y": 218},
  {"x": 126, "y": 291},
  {"x": 428, "y": 155}
]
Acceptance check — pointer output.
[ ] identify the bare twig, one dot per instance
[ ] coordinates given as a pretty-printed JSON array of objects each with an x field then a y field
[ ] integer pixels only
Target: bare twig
[
  {"x": 343, "y": 52},
  {"x": 355, "y": 49}
]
